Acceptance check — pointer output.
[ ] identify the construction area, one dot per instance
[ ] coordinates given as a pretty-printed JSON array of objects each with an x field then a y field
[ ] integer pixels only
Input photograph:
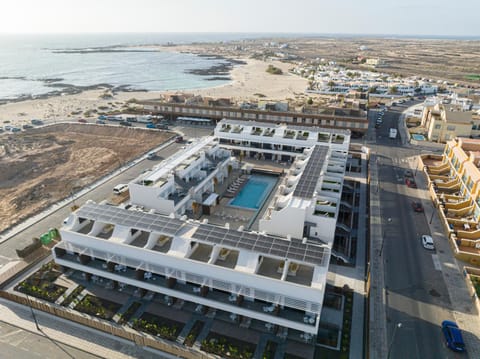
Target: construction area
[{"x": 41, "y": 166}]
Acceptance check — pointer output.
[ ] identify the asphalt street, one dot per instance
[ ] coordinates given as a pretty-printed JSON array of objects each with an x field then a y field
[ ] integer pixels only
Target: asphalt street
[
  {"x": 417, "y": 296},
  {"x": 15, "y": 341},
  {"x": 97, "y": 194}
]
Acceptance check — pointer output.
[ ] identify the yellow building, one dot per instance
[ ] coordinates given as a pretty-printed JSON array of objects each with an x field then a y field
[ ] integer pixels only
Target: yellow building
[
  {"x": 446, "y": 123},
  {"x": 454, "y": 184}
]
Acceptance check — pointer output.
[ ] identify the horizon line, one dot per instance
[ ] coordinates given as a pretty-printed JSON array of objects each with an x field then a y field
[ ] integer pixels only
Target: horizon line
[{"x": 278, "y": 33}]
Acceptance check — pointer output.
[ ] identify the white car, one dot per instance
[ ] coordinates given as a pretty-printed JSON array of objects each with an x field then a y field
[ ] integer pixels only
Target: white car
[{"x": 427, "y": 242}]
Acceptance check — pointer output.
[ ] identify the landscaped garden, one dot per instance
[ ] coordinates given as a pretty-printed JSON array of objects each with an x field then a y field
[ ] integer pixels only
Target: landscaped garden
[
  {"x": 269, "y": 350},
  {"x": 98, "y": 307},
  {"x": 127, "y": 315},
  {"x": 73, "y": 295},
  {"x": 227, "y": 347},
  {"x": 194, "y": 332},
  {"x": 155, "y": 325},
  {"x": 41, "y": 283},
  {"x": 329, "y": 335}
]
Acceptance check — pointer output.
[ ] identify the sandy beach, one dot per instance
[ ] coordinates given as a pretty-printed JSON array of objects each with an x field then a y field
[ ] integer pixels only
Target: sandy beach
[{"x": 247, "y": 80}]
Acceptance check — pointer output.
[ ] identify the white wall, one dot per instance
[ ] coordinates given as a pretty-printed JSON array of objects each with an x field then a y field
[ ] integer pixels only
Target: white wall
[{"x": 287, "y": 221}]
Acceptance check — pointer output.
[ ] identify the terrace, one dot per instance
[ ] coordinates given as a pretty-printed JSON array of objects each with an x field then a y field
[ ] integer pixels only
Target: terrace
[
  {"x": 201, "y": 252},
  {"x": 161, "y": 282},
  {"x": 257, "y": 131},
  {"x": 162, "y": 244},
  {"x": 227, "y": 258},
  {"x": 457, "y": 210},
  {"x": 323, "y": 137}
]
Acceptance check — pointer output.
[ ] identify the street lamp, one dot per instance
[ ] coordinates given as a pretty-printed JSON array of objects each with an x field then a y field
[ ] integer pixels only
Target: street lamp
[{"x": 399, "y": 325}]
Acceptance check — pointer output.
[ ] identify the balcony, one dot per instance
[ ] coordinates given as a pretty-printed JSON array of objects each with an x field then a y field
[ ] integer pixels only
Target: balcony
[
  {"x": 225, "y": 128},
  {"x": 187, "y": 291},
  {"x": 201, "y": 252}
]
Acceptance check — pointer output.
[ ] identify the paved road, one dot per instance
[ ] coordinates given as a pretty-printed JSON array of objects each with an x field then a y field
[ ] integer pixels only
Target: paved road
[
  {"x": 417, "y": 296},
  {"x": 7, "y": 248},
  {"x": 15, "y": 341}
]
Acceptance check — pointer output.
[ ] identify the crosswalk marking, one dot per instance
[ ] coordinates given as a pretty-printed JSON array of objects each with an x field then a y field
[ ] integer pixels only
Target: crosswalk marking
[{"x": 436, "y": 262}]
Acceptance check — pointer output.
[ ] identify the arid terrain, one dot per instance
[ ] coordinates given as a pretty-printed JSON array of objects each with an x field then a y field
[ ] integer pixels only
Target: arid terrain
[
  {"x": 451, "y": 60},
  {"x": 41, "y": 166}
]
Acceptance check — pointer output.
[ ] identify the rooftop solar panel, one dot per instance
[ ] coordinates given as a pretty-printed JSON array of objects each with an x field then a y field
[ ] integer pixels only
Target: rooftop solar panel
[
  {"x": 134, "y": 219},
  {"x": 264, "y": 244},
  {"x": 289, "y": 249},
  {"x": 309, "y": 178}
]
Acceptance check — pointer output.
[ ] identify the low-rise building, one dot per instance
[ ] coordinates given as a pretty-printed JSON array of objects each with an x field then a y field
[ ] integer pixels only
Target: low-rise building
[
  {"x": 275, "y": 276},
  {"x": 454, "y": 184},
  {"x": 444, "y": 122},
  {"x": 355, "y": 120}
]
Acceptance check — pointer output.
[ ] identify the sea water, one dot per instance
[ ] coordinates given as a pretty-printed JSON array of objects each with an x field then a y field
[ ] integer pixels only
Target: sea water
[{"x": 32, "y": 65}]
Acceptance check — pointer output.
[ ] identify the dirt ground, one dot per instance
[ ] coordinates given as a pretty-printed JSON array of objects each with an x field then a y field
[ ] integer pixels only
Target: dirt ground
[
  {"x": 44, "y": 165},
  {"x": 434, "y": 58}
]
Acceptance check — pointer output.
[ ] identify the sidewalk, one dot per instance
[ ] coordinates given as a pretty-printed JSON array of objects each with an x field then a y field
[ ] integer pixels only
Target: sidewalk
[
  {"x": 464, "y": 310},
  {"x": 377, "y": 304},
  {"x": 75, "y": 335}
]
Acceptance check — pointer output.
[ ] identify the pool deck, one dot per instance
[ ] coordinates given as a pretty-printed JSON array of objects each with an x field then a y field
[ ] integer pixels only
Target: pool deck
[{"x": 237, "y": 216}]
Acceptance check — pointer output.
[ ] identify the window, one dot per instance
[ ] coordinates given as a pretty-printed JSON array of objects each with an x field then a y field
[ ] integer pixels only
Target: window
[
  {"x": 437, "y": 127},
  {"x": 450, "y": 128}
]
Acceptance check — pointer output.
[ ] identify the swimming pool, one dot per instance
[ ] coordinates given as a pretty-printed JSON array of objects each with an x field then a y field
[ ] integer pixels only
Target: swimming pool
[
  {"x": 255, "y": 191},
  {"x": 418, "y": 137}
]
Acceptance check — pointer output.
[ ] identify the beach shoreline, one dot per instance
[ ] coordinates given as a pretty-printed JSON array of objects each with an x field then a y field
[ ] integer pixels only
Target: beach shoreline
[{"x": 249, "y": 81}]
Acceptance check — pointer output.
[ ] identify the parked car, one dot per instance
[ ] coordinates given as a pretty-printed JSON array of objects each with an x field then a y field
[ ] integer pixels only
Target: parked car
[
  {"x": 179, "y": 139},
  {"x": 453, "y": 336},
  {"x": 100, "y": 122},
  {"x": 15, "y": 129},
  {"x": 410, "y": 183},
  {"x": 36, "y": 122},
  {"x": 150, "y": 125},
  {"x": 417, "y": 207},
  {"x": 82, "y": 120},
  {"x": 427, "y": 242},
  {"x": 125, "y": 123},
  {"x": 27, "y": 126},
  {"x": 151, "y": 155},
  {"x": 8, "y": 127}
]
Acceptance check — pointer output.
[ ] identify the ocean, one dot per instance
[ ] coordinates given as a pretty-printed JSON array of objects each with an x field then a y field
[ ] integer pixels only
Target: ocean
[{"x": 33, "y": 65}]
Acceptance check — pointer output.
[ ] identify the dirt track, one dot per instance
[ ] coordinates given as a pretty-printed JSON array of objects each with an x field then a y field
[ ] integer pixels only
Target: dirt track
[{"x": 42, "y": 166}]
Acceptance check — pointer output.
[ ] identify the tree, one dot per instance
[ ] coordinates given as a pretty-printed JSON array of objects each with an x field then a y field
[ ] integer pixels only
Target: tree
[
  {"x": 310, "y": 101},
  {"x": 393, "y": 90},
  {"x": 330, "y": 84}
]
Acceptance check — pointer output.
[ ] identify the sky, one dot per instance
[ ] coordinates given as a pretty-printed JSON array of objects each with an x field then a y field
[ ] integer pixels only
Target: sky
[{"x": 396, "y": 17}]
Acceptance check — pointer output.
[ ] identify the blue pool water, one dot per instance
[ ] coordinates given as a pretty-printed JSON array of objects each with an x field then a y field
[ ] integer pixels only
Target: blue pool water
[
  {"x": 418, "y": 137},
  {"x": 255, "y": 191}
]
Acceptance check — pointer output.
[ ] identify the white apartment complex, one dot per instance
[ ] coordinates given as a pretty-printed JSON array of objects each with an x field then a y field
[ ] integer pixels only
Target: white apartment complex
[{"x": 276, "y": 275}]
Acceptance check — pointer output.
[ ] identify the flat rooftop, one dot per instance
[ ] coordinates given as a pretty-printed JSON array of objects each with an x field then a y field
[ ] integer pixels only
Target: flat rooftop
[{"x": 206, "y": 234}]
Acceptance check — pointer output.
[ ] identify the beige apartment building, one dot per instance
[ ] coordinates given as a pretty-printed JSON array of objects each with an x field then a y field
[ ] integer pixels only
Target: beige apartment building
[
  {"x": 444, "y": 123},
  {"x": 454, "y": 184}
]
